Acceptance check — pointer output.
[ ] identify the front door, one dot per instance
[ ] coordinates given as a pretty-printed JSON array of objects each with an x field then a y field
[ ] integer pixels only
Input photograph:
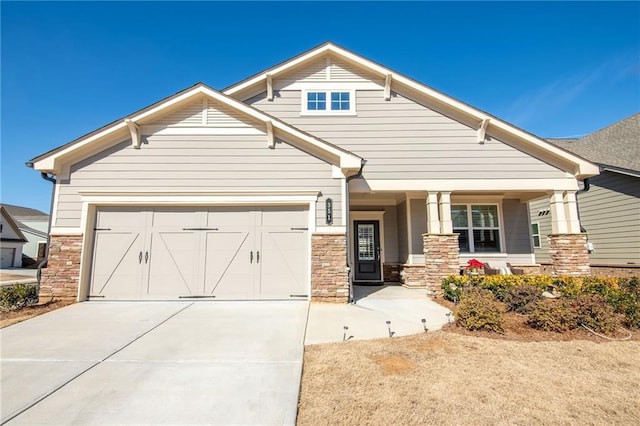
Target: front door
[{"x": 367, "y": 250}]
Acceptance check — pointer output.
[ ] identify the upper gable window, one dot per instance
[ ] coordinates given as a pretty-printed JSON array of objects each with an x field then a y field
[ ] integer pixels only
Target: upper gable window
[{"x": 328, "y": 102}]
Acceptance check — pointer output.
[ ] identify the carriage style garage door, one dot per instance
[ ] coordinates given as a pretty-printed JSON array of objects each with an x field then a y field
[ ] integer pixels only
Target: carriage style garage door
[{"x": 234, "y": 253}]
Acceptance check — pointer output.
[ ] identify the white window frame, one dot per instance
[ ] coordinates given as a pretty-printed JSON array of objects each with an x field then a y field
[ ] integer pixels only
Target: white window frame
[
  {"x": 328, "y": 111},
  {"x": 534, "y": 235},
  {"x": 470, "y": 227}
]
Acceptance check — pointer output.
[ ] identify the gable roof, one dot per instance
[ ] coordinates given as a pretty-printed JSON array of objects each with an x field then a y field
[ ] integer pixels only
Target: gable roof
[
  {"x": 14, "y": 226},
  {"x": 25, "y": 213},
  {"x": 617, "y": 145},
  {"x": 85, "y": 145},
  {"x": 534, "y": 145}
]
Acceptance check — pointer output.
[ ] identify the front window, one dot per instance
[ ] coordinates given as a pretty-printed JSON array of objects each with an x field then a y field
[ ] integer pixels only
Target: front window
[
  {"x": 535, "y": 234},
  {"x": 478, "y": 226},
  {"x": 328, "y": 102}
]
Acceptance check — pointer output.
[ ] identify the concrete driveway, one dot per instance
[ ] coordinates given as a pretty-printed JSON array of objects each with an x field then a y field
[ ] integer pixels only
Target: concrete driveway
[{"x": 155, "y": 363}]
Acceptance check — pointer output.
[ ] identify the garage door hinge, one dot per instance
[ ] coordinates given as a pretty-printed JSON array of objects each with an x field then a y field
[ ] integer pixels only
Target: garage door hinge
[
  {"x": 298, "y": 295},
  {"x": 102, "y": 229},
  {"x": 299, "y": 229},
  {"x": 199, "y": 229},
  {"x": 196, "y": 297},
  {"x": 91, "y": 296}
]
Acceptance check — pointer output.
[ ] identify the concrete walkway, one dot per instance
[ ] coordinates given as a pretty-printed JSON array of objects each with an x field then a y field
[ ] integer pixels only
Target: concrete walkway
[
  {"x": 367, "y": 319},
  {"x": 155, "y": 363}
]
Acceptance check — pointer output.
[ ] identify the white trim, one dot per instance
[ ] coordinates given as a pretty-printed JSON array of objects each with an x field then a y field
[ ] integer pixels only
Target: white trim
[
  {"x": 387, "y": 87},
  {"x": 482, "y": 130},
  {"x": 56, "y": 196},
  {"x": 343, "y": 201},
  {"x": 330, "y": 85},
  {"x": 269, "y": 88},
  {"x": 134, "y": 131},
  {"x": 330, "y": 230},
  {"x": 533, "y": 235},
  {"x": 470, "y": 227},
  {"x": 409, "y": 229},
  {"x": 195, "y": 130},
  {"x": 64, "y": 230},
  {"x": 480, "y": 185},
  {"x": 368, "y": 215}
]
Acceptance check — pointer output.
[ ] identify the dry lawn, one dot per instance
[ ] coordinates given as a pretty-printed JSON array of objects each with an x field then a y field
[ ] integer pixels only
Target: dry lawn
[
  {"x": 448, "y": 378},
  {"x": 8, "y": 318}
]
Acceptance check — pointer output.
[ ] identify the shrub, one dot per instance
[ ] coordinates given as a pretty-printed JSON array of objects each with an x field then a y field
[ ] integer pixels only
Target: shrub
[
  {"x": 593, "y": 311},
  {"x": 627, "y": 300},
  {"x": 521, "y": 298},
  {"x": 479, "y": 310},
  {"x": 17, "y": 296},
  {"x": 553, "y": 315}
]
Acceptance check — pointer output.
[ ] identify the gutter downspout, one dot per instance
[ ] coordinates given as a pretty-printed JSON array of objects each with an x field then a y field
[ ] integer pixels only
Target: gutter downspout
[
  {"x": 348, "y": 228},
  {"x": 53, "y": 180}
]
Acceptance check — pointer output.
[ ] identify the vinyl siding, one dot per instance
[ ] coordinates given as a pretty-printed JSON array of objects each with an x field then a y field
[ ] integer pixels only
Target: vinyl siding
[
  {"x": 212, "y": 163},
  {"x": 402, "y": 139},
  {"x": 391, "y": 234},
  {"x": 193, "y": 115},
  {"x": 418, "y": 225},
  {"x": 544, "y": 223},
  {"x": 321, "y": 70},
  {"x": 517, "y": 234},
  {"x": 610, "y": 212}
]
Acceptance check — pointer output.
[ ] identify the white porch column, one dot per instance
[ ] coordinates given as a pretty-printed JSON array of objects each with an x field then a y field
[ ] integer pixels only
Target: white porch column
[
  {"x": 571, "y": 213},
  {"x": 558, "y": 217},
  {"x": 433, "y": 219},
  {"x": 444, "y": 202}
]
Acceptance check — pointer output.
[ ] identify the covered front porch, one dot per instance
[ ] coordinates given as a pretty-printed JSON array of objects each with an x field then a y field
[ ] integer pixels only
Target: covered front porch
[{"x": 416, "y": 238}]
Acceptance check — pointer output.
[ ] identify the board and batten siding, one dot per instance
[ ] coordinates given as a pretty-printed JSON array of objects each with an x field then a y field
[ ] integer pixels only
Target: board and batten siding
[
  {"x": 199, "y": 163},
  {"x": 610, "y": 213},
  {"x": 402, "y": 139}
]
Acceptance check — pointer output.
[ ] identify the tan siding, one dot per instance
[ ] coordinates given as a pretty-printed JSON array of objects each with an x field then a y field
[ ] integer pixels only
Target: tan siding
[
  {"x": 401, "y": 139},
  {"x": 212, "y": 163},
  {"x": 192, "y": 115}
]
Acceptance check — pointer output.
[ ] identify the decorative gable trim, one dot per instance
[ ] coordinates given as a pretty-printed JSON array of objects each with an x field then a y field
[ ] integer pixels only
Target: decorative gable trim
[
  {"x": 57, "y": 161},
  {"x": 533, "y": 145}
]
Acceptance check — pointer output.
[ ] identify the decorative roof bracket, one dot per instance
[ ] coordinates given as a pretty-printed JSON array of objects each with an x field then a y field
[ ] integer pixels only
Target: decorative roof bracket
[
  {"x": 387, "y": 88},
  {"x": 271, "y": 141},
  {"x": 482, "y": 130},
  {"x": 136, "y": 138},
  {"x": 269, "y": 88}
]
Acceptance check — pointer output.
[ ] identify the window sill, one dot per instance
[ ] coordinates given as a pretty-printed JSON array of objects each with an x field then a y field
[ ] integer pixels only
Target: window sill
[{"x": 328, "y": 113}]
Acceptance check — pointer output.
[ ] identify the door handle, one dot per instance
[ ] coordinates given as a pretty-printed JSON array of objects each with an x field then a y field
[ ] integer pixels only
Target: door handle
[
  {"x": 251, "y": 257},
  {"x": 258, "y": 258},
  {"x": 146, "y": 257},
  {"x": 378, "y": 253},
  {"x": 140, "y": 257}
]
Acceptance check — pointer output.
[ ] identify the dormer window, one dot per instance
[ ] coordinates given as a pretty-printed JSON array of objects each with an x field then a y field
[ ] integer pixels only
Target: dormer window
[{"x": 328, "y": 102}]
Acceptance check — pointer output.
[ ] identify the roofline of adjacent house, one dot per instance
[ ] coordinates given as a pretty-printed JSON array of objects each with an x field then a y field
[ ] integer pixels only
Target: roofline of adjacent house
[
  {"x": 13, "y": 225},
  {"x": 629, "y": 172},
  {"x": 352, "y": 160},
  {"x": 585, "y": 168}
]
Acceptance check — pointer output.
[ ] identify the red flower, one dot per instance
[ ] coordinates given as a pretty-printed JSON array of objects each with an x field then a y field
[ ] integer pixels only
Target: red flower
[{"x": 474, "y": 264}]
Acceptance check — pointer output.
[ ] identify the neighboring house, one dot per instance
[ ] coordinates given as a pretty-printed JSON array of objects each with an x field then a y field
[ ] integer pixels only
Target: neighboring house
[
  {"x": 11, "y": 241},
  {"x": 321, "y": 171},
  {"x": 610, "y": 208},
  {"x": 34, "y": 225}
]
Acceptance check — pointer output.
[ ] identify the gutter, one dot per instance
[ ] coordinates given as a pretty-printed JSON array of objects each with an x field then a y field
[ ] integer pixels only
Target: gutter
[
  {"x": 348, "y": 228},
  {"x": 52, "y": 179}
]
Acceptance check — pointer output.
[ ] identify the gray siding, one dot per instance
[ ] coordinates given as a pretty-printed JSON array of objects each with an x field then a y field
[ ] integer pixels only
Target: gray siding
[
  {"x": 403, "y": 254},
  {"x": 391, "y": 234},
  {"x": 212, "y": 163},
  {"x": 402, "y": 139},
  {"x": 610, "y": 213},
  {"x": 536, "y": 211},
  {"x": 418, "y": 225},
  {"x": 517, "y": 234}
]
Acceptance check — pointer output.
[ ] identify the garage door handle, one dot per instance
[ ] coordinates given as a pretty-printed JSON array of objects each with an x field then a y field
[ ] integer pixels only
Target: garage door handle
[
  {"x": 258, "y": 258},
  {"x": 140, "y": 257},
  {"x": 251, "y": 257},
  {"x": 199, "y": 229},
  {"x": 146, "y": 257}
]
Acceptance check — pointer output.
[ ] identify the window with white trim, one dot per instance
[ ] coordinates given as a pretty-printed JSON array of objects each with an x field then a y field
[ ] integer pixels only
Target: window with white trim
[
  {"x": 535, "y": 234},
  {"x": 328, "y": 102},
  {"x": 478, "y": 226}
]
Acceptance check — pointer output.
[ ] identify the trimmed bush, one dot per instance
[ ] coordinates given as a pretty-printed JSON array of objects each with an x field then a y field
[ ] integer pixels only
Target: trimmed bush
[
  {"x": 521, "y": 298},
  {"x": 593, "y": 311},
  {"x": 553, "y": 315},
  {"x": 479, "y": 310},
  {"x": 17, "y": 296}
]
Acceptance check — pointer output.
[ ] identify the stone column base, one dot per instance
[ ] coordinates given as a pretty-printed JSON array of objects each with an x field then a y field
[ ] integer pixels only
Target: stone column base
[
  {"x": 61, "y": 277},
  {"x": 441, "y": 258},
  {"x": 569, "y": 255},
  {"x": 329, "y": 276},
  {"x": 413, "y": 276}
]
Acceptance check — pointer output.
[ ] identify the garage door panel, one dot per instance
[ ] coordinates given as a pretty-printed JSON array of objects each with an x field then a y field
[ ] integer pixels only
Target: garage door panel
[
  {"x": 174, "y": 263},
  {"x": 289, "y": 216},
  {"x": 177, "y": 218},
  {"x": 229, "y": 272},
  {"x": 284, "y": 264},
  {"x": 119, "y": 218},
  {"x": 7, "y": 255},
  {"x": 116, "y": 265}
]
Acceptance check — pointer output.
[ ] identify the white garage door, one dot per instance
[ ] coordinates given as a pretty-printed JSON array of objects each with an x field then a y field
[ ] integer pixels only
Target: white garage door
[
  {"x": 6, "y": 257},
  {"x": 229, "y": 253}
]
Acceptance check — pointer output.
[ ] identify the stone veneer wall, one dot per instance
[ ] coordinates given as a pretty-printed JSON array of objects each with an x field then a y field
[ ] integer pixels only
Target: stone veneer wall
[
  {"x": 62, "y": 275},
  {"x": 441, "y": 258},
  {"x": 569, "y": 255},
  {"x": 329, "y": 275},
  {"x": 413, "y": 276},
  {"x": 604, "y": 270}
]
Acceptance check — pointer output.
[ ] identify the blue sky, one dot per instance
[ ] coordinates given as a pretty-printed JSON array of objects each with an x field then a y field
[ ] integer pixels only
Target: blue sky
[{"x": 554, "y": 69}]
